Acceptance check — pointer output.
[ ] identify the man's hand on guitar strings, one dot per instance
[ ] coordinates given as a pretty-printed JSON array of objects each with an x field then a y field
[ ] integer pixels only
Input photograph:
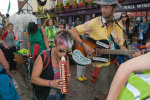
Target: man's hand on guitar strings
[
  {"x": 87, "y": 49},
  {"x": 137, "y": 53}
]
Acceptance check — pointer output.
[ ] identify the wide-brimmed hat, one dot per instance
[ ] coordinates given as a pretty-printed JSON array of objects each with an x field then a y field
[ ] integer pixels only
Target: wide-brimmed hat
[
  {"x": 108, "y": 2},
  {"x": 32, "y": 27}
]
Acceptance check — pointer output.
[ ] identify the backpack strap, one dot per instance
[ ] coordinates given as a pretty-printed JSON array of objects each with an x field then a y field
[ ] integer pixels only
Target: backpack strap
[{"x": 46, "y": 60}]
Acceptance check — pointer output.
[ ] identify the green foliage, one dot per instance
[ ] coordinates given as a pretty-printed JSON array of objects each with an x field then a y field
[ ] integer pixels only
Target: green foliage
[
  {"x": 75, "y": 1},
  {"x": 61, "y": 5},
  {"x": 57, "y": 6},
  {"x": 86, "y": 3},
  {"x": 83, "y": 1},
  {"x": 91, "y": 1},
  {"x": 70, "y": 6},
  {"x": 67, "y": 3}
]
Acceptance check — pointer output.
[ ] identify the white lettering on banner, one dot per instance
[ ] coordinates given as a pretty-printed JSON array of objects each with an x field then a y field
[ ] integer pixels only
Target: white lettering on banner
[
  {"x": 135, "y": 92},
  {"x": 129, "y": 7},
  {"x": 145, "y": 5}
]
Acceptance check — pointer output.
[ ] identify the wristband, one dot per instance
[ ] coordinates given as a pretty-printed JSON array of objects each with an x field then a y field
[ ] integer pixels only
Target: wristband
[
  {"x": 49, "y": 83},
  {"x": 82, "y": 44}
]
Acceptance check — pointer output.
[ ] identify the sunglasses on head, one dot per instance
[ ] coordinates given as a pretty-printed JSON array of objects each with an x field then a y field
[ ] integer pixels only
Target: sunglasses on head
[{"x": 63, "y": 51}]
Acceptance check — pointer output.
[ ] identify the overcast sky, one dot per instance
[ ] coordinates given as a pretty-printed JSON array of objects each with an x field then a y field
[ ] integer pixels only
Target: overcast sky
[{"x": 4, "y": 6}]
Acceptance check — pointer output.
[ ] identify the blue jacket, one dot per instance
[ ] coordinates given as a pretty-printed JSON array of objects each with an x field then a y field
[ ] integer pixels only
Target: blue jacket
[{"x": 144, "y": 27}]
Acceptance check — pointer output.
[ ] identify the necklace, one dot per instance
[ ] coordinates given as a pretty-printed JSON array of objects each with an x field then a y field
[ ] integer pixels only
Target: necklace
[{"x": 56, "y": 60}]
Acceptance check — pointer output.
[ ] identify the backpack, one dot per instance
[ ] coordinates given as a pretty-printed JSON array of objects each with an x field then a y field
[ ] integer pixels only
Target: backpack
[
  {"x": 31, "y": 61},
  {"x": 42, "y": 92}
]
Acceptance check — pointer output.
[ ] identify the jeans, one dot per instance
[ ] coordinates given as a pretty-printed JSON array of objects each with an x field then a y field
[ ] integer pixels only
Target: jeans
[
  {"x": 57, "y": 97},
  {"x": 53, "y": 97}
]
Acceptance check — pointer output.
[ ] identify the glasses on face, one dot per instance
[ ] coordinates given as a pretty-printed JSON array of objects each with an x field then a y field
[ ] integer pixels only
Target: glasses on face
[
  {"x": 63, "y": 51},
  {"x": 124, "y": 16}
]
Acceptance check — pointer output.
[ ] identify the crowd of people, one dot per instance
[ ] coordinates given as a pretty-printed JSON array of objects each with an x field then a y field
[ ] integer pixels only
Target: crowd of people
[{"x": 57, "y": 41}]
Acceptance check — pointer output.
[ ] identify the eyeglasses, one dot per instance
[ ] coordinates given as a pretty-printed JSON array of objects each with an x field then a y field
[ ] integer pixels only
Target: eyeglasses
[
  {"x": 63, "y": 51},
  {"x": 124, "y": 16}
]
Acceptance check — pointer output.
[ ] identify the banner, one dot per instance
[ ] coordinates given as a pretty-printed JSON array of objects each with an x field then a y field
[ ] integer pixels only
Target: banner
[
  {"x": 143, "y": 13},
  {"x": 8, "y": 7},
  {"x": 148, "y": 14},
  {"x": 133, "y": 14},
  {"x": 139, "y": 14},
  {"x": 40, "y": 9}
]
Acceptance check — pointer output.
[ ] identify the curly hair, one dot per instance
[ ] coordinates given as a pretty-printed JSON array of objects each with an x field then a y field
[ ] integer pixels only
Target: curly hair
[{"x": 46, "y": 23}]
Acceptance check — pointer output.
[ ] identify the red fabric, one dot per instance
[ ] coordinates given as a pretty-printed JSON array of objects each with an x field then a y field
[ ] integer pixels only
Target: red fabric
[
  {"x": 44, "y": 53},
  {"x": 115, "y": 61},
  {"x": 5, "y": 34},
  {"x": 95, "y": 74},
  {"x": 97, "y": 70},
  {"x": 35, "y": 51},
  {"x": 47, "y": 63}
]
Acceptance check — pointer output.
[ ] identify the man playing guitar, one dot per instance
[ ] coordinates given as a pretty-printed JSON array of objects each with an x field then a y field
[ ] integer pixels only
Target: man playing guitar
[{"x": 98, "y": 30}]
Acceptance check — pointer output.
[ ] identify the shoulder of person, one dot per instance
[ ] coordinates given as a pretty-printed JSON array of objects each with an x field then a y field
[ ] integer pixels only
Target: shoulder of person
[
  {"x": 46, "y": 27},
  {"x": 5, "y": 33},
  {"x": 96, "y": 19}
]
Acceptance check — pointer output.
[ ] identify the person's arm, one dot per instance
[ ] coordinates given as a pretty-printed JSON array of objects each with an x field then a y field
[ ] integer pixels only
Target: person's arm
[
  {"x": 140, "y": 63},
  {"x": 77, "y": 38},
  {"x": 123, "y": 47},
  {"x": 137, "y": 53},
  {"x": 28, "y": 44},
  {"x": 46, "y": 31},
  {"x": 146, "y": 28},
  {"x": 140, "y": 30},
  {"x": 2, "y": 39},
  {"x": 18, "y": 40},
  {"x": 3, "y": 43},
  {"x": 36, "y": 72},
  {"x": 45, "y": 39},
  {"x": 4, "y": 63}
]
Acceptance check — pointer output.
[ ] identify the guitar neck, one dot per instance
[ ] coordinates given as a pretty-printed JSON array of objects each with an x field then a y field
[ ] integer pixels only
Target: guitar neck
[{"x": 118, "y": 52}]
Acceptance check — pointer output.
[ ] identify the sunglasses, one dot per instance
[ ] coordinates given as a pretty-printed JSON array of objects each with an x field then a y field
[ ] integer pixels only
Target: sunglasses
[
  {"x": 124, "y": 16},
  {"x": 63, "y": 51}
]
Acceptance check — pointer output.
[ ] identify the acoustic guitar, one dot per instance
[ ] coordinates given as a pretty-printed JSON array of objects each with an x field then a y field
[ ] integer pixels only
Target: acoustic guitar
[{"x": 101, "y": 51}]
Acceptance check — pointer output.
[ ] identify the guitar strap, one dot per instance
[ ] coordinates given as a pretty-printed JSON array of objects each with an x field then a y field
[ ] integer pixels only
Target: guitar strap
[
  {"x": 113, "y": 57},
  {"x": 121, "y": 58}
]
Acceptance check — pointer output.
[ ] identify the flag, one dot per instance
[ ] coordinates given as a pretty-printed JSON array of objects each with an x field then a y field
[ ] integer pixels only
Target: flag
[
  {"x": 8, "y": 7},
  {"x": 40, "y": 9},
  {"x": 48, "y": 15}
]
